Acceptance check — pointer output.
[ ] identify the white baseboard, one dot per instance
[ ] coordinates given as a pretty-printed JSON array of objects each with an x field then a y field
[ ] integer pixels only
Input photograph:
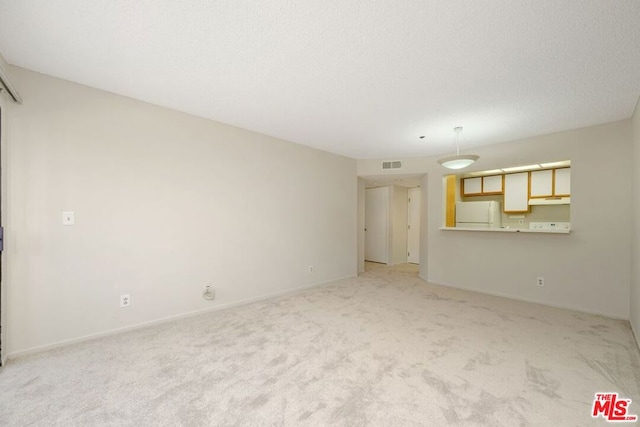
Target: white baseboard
[
  {"x": 90, "y": 337},
  {"x": 533, "y": 301}
]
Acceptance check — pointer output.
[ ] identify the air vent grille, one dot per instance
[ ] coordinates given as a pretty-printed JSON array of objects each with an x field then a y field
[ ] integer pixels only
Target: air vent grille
[{"x": 392, "y": 164}]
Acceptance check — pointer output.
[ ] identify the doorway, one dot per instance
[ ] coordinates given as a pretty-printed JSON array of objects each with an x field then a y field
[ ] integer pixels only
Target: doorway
[{"x": 397, "y": 189}]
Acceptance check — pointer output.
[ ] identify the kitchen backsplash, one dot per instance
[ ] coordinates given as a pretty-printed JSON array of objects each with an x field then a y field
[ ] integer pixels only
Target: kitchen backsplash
[{"x": 545, "y": 213}]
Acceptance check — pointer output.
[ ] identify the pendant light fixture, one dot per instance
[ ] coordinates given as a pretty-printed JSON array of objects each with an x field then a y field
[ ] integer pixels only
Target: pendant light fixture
[{"x": 459, "y": 161}]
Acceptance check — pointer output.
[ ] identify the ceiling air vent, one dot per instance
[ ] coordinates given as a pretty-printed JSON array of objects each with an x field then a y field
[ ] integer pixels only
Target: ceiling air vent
[{"x": 396, "y": 164}]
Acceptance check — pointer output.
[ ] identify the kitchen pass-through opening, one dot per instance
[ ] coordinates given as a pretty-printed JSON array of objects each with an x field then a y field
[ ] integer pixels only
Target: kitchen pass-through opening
[{"x": 534, "y": 197}]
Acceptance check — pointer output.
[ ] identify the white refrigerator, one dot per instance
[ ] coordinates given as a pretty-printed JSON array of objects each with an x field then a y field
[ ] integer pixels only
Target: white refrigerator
[{"x": 478, "y": 214}]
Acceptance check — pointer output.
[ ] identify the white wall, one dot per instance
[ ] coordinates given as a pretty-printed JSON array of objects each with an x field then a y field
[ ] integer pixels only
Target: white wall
[
  {"x": 424, "y": 220},
  {"x": 3, "y": 168},
  {"x": 165, "y": 203},
  {"x": 635, "y": 281},
  {"x": 398, "y": 223},
  {"x": 361, "y": 223},
  {"x": 587, "y": 270}
]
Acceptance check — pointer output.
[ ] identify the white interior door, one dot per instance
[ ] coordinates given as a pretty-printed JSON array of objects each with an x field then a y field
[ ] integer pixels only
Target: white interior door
[
  {"x": 376, "y": 225},
  {"x": 413, "y": 227}
]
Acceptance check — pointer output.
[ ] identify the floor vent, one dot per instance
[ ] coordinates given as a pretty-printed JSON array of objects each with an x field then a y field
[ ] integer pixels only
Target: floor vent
[{"x": 396, "y": 164}]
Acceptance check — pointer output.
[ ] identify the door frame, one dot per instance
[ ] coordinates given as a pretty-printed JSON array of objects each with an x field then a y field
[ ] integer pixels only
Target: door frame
[{"x": 362, "y": 180}]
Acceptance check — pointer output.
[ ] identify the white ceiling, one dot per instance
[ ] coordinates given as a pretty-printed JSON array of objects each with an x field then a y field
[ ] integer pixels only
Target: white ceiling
[{"x": 362, "y": 78}]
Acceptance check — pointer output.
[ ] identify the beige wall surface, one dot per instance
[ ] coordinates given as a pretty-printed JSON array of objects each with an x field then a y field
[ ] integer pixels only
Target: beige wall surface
[
  {"x": 3, "y": 285},
  {"x": 399, "y": 217},
  {"x": 361, "y": 222},
  {"x": 587, "y": 270},
  {"x": 635, "y": 281},
  {"x": 164, "y": 203},
  {"x": 3, "y": 168}
]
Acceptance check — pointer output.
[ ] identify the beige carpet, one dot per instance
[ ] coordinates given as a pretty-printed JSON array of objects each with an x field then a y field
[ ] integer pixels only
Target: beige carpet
[{"x": 383, "y": 349}]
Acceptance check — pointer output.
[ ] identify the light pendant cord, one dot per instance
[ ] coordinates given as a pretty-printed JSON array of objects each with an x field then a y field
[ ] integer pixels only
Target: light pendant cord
[{"x": 458, "y": 131}]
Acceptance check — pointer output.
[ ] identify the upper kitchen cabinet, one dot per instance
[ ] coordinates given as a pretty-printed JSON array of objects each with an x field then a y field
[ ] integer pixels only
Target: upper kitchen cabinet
[
  {"x": 492, "y": 184},
  {"x": 542, "y": 183},
  {"x": 562, "y": 182},
  {"x": 482, "y": 185},
  {"x": 472, "y": 186},
  {"x": 551, "y": 183},
  {"x": 516, "y": 192}
]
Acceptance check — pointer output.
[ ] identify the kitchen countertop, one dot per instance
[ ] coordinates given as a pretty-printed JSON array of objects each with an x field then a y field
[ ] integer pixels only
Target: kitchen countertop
[{"x": 508, "y": 230}]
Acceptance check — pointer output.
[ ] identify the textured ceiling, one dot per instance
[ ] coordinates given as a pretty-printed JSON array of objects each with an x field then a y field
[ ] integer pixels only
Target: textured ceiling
[{"x": 362, "y": 78}]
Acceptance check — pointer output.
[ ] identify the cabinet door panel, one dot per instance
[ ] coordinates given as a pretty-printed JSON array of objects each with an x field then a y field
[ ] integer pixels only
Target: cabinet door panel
[
  {"x": 516, "y": 192},
  {"x": 472, "y": 186},
  {"x": 492, "y": 184},
  {"x": 563, "y": 182},
  {"x": 542, "y": 183}
]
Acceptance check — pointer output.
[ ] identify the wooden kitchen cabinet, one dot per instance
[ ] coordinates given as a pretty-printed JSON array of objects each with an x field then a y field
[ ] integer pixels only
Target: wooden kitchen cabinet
[
  {"x": 492, "y": 184},
  {"x": 550, "y": 183},
  {"x": 541, "y": 183},
  {"x": 562, "y": 182},
  {"x": 482, "y": 185},
  {"x": 516, "y": 192},
  {"x": 472, "y": 186}
]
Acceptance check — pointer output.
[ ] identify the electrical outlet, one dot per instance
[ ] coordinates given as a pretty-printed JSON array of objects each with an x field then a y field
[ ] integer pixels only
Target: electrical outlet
[
  {"x": 540, "y": 281},
  {"x": 311, "y": 269},
  {"x": 68, "y": 218},
  {"x": 125, "y": 300},
  {"x": 209, "y": 293}
]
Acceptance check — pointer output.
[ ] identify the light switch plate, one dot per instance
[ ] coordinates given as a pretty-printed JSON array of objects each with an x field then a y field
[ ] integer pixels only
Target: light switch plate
[{"x": 68, "y": 218}]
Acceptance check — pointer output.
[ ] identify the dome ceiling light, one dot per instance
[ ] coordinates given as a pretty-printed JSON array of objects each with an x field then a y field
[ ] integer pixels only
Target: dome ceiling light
[{"x": 459, "y": 161}]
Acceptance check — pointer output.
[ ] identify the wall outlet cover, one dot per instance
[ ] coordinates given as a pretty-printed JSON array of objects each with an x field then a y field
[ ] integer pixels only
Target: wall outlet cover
[
  {"x": 68, "y": 218},
  {"x": 125, "y": 300}
]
